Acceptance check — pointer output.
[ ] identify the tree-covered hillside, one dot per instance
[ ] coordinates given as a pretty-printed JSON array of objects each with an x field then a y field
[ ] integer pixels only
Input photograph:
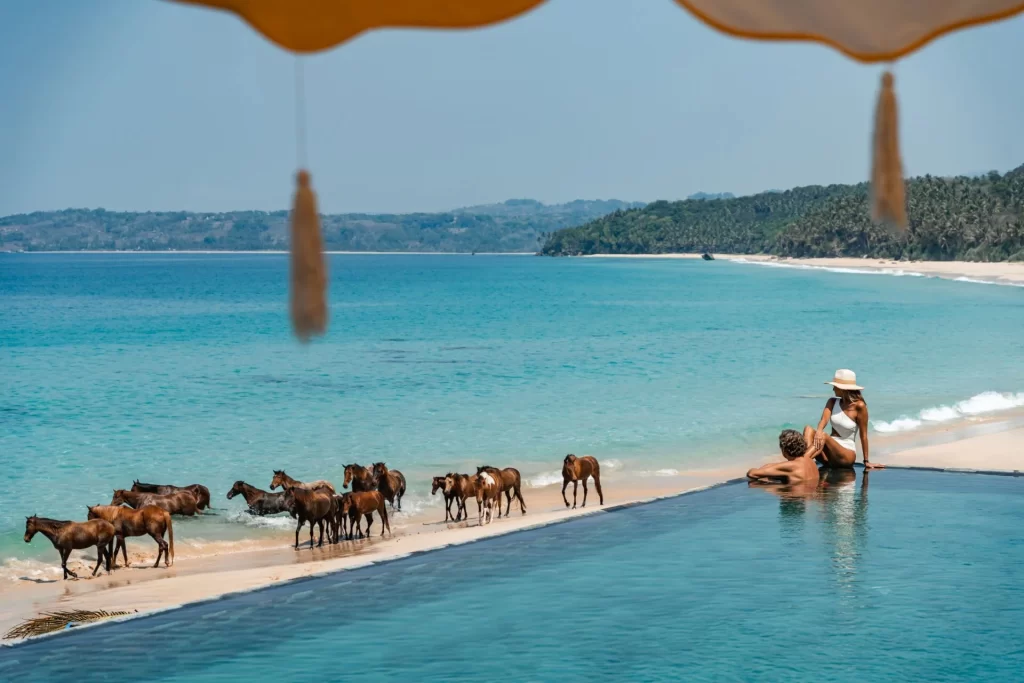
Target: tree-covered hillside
[
  {"x": 962, "y": 218},
  {"x": 518, "y": 225}
]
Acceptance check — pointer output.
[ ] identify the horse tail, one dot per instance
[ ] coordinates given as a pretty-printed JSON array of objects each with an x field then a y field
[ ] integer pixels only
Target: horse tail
[
  {"x": 170, "y": 533},
  {"x": 383, "y": 510}
]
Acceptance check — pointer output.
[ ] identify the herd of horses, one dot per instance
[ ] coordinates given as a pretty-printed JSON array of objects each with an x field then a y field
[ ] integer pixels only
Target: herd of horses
[{"x": 146, "y": 509}]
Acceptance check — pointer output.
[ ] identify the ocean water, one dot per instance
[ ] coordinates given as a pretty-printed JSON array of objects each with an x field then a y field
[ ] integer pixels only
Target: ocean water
[
  {"x": 908, "y": 576},
  {"x": 181, "y": 368}
]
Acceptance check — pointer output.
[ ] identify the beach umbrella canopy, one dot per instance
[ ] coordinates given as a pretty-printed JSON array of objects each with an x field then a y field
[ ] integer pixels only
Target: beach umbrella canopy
[{"x": 866, "y": 30}]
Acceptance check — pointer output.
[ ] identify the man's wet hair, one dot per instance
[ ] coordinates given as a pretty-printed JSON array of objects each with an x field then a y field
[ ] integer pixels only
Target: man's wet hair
[{"x": 792, "y": 443}]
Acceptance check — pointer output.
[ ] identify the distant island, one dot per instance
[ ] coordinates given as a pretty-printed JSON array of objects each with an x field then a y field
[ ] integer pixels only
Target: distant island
[
  {"x": 965, "y": 218},
  {"x": 517, "y": 225},
  {"x": 712, "y": 195}
]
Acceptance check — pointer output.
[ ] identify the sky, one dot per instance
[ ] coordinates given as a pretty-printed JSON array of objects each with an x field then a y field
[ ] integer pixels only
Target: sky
[{"x": 150, "y": 105}]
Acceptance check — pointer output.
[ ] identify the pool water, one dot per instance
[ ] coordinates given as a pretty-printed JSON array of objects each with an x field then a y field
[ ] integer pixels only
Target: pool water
[{"x": 896, "y": 576}]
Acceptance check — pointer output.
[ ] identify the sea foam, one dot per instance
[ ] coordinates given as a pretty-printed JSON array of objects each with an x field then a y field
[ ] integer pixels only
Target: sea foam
[{"x": 986, "y": 402}]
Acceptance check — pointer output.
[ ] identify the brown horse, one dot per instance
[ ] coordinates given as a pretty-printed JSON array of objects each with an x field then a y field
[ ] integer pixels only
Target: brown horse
[
  {"x": 337, "y": 524},
  {"x": 67, "y": 536},
  {"x": 438, "y": 484},
  {"x": 260, "y": 502},
  {"x": 360, "y": 477},
  {"x": 460, "y": 487},
  {"x": 201, "y": 493},
  {"x": 488, "y": 494},
  {"x": 284, "y": 481},
  {"x": 576, "y": 470},
  {"x": 511, "y": 485},
  {"x": 149, "y": 519},
  {"x": 389, "y": 482},
  {"x": 177, "y": 503},
  {"x": 314, "y": 507},
  {"x": 364, "y": 503}
]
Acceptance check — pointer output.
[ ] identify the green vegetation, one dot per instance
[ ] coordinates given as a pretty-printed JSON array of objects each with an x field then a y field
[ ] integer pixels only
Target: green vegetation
[
  {"x": 975, "y": 219},
  {"x": 518, "y": 225}
]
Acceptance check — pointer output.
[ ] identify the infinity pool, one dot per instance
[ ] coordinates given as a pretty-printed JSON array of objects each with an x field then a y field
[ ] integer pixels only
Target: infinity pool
[{"x": 906, "y": 575}]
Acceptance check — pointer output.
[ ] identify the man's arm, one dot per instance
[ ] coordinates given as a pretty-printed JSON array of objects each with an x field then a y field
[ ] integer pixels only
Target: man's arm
[{"x": 777, "y": 471}]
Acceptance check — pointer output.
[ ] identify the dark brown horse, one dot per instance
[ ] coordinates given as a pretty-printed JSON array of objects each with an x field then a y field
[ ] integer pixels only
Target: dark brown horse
[
  {"x": 67, "y": 536},
  {"x": 177, "y": 503},
  {"x": 360, "y": 477},
  {"x": 488, "y": 494},
  {"x": 201, "y": 493},
  {"x": 389, "y": 482},
  {"x": 149, "y": 519},
  {"x": 337, "y": 524},
  {"x": 511, "y": 486},
  {"x": 461, "y": 487},
  {"x": 314, "y": 507},
  {"x": 438, "y": 484},
  {"x": 576, "y": 470},
  {"x": 364, "y": 503},
  {"x": 260, "y": 502},
  {"x": 284, "y": 481}
]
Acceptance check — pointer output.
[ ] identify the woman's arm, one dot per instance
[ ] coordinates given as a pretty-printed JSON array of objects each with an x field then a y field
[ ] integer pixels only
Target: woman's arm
[
  {"x": 819, "y": 433},
  {"x": 862, "y": 427},
  {"x": 777, "y": 470}
]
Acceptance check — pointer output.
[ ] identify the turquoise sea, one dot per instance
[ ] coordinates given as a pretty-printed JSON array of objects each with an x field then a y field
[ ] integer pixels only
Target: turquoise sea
[{"x": 181, "y": 368}]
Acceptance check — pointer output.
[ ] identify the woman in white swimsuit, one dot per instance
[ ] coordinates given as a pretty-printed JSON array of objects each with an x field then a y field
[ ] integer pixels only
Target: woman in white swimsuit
[{"x": 848, "y": 415}]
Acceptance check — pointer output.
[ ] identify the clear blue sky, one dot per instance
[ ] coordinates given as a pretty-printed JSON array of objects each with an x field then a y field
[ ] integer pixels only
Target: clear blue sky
[{"x": 151, "y": 105}]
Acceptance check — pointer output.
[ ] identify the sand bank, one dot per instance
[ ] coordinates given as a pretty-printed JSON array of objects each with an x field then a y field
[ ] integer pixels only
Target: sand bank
[
  {"x": 995, "y": 273},
  {"x": 195, "y": 579}
]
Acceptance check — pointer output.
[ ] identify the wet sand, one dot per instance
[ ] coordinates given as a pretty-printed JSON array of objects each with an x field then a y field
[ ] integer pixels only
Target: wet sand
[{"x": 987, "y": 445}]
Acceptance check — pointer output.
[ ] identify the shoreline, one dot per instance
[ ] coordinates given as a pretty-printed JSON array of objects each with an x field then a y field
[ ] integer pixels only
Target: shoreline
[
  {"x": 979, "y": 272},
  {"x": 988, "y": 445}
]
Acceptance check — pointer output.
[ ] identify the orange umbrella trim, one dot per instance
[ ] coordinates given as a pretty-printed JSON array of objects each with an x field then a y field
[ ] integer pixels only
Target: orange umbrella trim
[
  {"x": 313, "y": 25},
  {"x": 867, "y": 58}
]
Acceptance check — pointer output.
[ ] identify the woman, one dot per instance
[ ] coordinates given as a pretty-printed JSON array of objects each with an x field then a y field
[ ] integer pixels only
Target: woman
[{"x": 848, "y": 414}]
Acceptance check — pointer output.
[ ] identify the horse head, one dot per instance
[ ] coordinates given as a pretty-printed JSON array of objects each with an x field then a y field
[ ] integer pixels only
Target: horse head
[
  {"x": 119, "y": 497},
  {"x": 278, "y": 480},
  {"x": 349, "y": 471},
  {"x": 30, "y": 528},
  {"x": 236, "y": 489},
  {"x": 438, "y": 483}
]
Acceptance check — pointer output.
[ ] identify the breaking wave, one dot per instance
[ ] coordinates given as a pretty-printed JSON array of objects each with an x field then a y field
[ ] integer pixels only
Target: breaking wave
[{"x": 981, "y": 404}]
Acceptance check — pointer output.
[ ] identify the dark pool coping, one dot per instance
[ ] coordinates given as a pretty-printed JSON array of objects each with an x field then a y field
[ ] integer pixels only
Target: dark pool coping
[{"x": 416, "y": 553}]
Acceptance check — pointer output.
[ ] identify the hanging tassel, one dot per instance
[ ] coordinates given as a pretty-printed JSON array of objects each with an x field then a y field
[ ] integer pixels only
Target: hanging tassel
[
  {"x": 309, "y": 269},
  {"x": 888, "y": 199}
]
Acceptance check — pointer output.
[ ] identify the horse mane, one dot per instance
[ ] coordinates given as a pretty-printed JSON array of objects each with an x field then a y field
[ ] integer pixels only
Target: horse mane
[{"x": 52, "y": 522}]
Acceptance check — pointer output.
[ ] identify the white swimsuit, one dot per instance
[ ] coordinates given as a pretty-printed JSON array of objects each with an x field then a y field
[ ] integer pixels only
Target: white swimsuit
[{"x": 843, "y": 427}]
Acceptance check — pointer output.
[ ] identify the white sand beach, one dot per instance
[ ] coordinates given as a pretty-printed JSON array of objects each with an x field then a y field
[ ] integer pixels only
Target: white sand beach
[
  {"x": 996, "y": 273},
  {"x": 190, "y": 580}
]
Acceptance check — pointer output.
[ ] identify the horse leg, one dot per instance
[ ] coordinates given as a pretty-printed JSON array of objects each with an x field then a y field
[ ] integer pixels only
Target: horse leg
[
  {"x": 311, "y": 523},
  {"x": 575, "y": 488},
  {"x": 519, "y": 496},
  {"x": 64, "y": 555},
  {"x": 160, "y": 549},
  {"x": 297, "y": 529},
  {"x": 584, "y": 494},
  {"x": 101, "y": 553},
  {"x": 508, "y": 508},
  {"x": 565, "y": 483},
  {"x": 369, "y": 522},
  {"x": 597, "y": 485},
  {"x": 321, "y": 525}
]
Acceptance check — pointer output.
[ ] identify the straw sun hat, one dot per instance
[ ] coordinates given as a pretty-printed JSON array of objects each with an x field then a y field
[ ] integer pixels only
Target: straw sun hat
[{"x": 846, "y": 380}]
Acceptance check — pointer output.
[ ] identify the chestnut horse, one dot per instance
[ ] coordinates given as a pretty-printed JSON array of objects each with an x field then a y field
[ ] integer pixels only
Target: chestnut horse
[
  {"x": 511, "y": 485},
  {"x": 576, "y": 470},
  {"x": 360, "y": 477},
  {"x": 438, "y": 484},
  {"x": 260, "y": 502},
  {"x": 460, "y": 487},
  {"x": 389, "y": 482},
  {"x": 177, "y": 503},
  {"x": 337, "y": 524},
  {"x": 67, "y": 536},
  {"x": 314, "y": 507},
  {"x": 201, "y": 493},
  {"x": 364, "y": 503},
  {"x": 149, "y": 519},
  {"x": 284, "y": 481},
  {"x": 488, "y": 494}
]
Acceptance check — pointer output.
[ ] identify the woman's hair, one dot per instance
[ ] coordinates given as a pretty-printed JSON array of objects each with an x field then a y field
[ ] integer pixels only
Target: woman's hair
[
  {"x": 792, "y": 443},
  {"x": 854, "y": 396}
]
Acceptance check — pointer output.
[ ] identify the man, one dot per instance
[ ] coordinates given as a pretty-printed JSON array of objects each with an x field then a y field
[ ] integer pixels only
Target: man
[{"x": 799, "y": 467}]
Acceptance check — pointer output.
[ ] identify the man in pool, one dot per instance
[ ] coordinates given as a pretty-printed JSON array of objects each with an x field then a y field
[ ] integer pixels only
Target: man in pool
[{"x": 799, "y": 467}]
